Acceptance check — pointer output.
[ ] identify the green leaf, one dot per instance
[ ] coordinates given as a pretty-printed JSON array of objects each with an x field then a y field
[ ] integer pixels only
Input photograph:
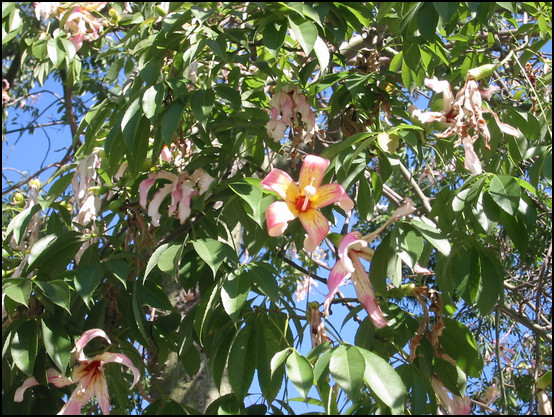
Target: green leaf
[
  {"x": 214, "y": 253},
  {"x": 433, "y": 235},
  {"x": 19, "y": 223},
  {"x": 87, "y": 279},
  {"x": 248, "y": 192},
  {"x": 153, "y": 295},
  {"x": 347, "y": 367},
  {"x": 54, "y": 252},
  {"x": 427, "y": 19},
  {"x": 56, "y": 51},
  {"x": 305, "y": 34},
  {"x": 168, "y": 259},
  {"x": 152, "y": 100},
  {"x": 267, "y": 345},
  {"x": 201, "y": 102},
  {"x": 274, "y": 35},
  {"x": 18, "y": 289},
  {"x": 57, "y": 342},
  {"x": 203, "y": 312},
  {"x": 322, "y": 53},
  {"x": 505, "y": 192},
  {"x": 24, "y": 346},
  {"x": 446, "y": 9},
  {"x": 383, "y": 380},
  {"x": 154, "y": 258},
  {"x": 170, "y": 120},
  {"x": 56, "y": 291},
  {"x": 459, "y": 343},
  {"x": 300, "y": 373},
  {"x": 55, "y": 190},
  {"x": 385, "y": 264},
  {"x": 138, "y": 314},
  {"x": 279, "y": 358},
  {"x": 234, "y": 291},
  {"x": 240, "y": 365},
  {"x": 407, "y": 243}
]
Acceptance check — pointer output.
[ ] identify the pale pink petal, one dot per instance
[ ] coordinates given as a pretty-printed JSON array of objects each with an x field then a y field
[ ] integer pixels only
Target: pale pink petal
[
  {"x": 156, "y": 202},
  {"x": 312, "y": 171},
  {"x": 281, "y": 183},
  {"x": 338, "y": 276},
  {"x": 120, "y": 358},
  {"x": 472, "y": 162},
  {"x": 444, "y": 88},
  {"x": 184, "y": 203},
  {"x": 504, "y": 127},
  {"x": 144, "y": 187},
  {"x": 52, "y": 376},
  {"x": 166, "y": 154},
  {"x": 277, "y": 216},
  {"x": 204, "y": 180},
  {"x": 487, "y": 93},
  {"x": 316, "y": 225},
  {"x": 456, "y": 405},
  {"x": 85, "y": 338},
  {"x": 351, "y": 242},
  {"x": 405, "y": 210},
  {"x": 331, "y": 193},
  {"x": 418, "y": 269},
  {"x": 366, "y": 295}
]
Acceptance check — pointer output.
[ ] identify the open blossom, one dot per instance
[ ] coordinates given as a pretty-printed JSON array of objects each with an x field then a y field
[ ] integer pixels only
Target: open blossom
[
  {"x": 88, "y": 375},
  {"x": 284, "y": 106},
  {"x": 303, "y": 200},
  {"x": 181, "y": 187},
  {"x": 463, "y": 115},
  {"x": 453, "y": 404},
  {"x": 352, "y": 249}
]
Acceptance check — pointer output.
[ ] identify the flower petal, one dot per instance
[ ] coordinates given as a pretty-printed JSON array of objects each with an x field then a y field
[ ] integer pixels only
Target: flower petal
[
  {"x": 472, "y": 162},
  {"x": 312, "y": 171},
  {"x": 331, "y": 193},
  {"x": 144, "y": 187},
  {"x": 153, "y": 208},
  {"x": 351, "y": 242},
  {"x": 366, "y": 296},
  {"x": 52, "y": 376},
  {"x": 338, "y": 276},
  {"x": 281, "y": 183},
  {"x": 316, "y": 225},
  {"x": 120, "y": 358},
  {"x": 85, "y": 338},
  {"x": 277, "y": 216}
]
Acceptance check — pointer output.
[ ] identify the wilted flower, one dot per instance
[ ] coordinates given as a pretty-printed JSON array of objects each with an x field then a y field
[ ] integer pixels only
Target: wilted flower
[
  {"x": 463, "y": 116},
  {"x": 181, "y": 188},
  {"x": 284, "y": 106},
  {"x": 454, "y": 405},
  {"x": 5, "y": 95},
  {"x": 304, "y": 287},
  {"x": 88, "y": 375},
  {"x": 348, "y": 266},
  {"x": 317, "y": 328},
  {"x": 45, "y": 9},
  {"x": 303, "y": 200},
  {"x": 82, "y": 22}
]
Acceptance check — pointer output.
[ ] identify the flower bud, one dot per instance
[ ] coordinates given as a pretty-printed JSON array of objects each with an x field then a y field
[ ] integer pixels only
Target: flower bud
[{"x": 479, "y": 73}]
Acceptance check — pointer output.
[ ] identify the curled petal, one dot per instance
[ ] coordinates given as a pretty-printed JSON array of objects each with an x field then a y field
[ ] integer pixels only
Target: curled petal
[
  {"x": 121, "y": 359},
  {"x": 366, "y": 296},
  {"x": 153, "y": 208},
  {"x": 144, "y": 187},
  {"x": 351, "y": 242},
  {"x": 312, "y": 171},
  {"x": 316, "y": 225},
  {"x": 281, "y": 183},
  {"x": 472, "y": 162},
  {"x": 184, "y": 203},
  {"x": 504, "y": 127},
  {"x": 52, "y": 376},
  {"x": 338, "y": 276},
  {"x": 85, "y": 338},
  {"x": 444, "y": 88},
  {"x": 331, "y": 193},
  {"x": 277, "y": 216}
]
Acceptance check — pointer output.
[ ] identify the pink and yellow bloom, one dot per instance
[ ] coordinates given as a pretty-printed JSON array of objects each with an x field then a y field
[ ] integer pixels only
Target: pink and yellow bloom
[
  {"x": 88, "y": 375},
  {"x": 303, "y": 200}
]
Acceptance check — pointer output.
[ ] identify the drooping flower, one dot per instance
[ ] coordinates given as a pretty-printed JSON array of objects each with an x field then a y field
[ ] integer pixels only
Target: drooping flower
[
  {"x": 181, "y": 188},
  {"x": 454, "y": 405},
  {"x": 88, "y": 375},
  {"x": 284, "y": 106},
  {"x": 463, "y": 116},
  {"x": 82, "y": 23},
  {"x": 352, "y": 248},
  {"x": 317, "y": 327},
  {"x": 303, "y": 200}
]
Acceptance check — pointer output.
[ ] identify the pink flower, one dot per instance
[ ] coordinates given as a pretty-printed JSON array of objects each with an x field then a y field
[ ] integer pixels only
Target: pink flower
[
  {"x": 303, "y": 200},
  {"x": 82, "y": 24},
  {"x": 181, "y": 188},
  {"x": 454, "y": 405},
  {"x": 284, "y": 106},
  {"x": 88, "y": 375},
  {"x": 463, "y": 116},
  {"x": 351, "y": 249}
]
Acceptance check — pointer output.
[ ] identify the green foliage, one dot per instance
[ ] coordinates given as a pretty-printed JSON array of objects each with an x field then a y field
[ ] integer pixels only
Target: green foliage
[{"x": 154, "y": 224}]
